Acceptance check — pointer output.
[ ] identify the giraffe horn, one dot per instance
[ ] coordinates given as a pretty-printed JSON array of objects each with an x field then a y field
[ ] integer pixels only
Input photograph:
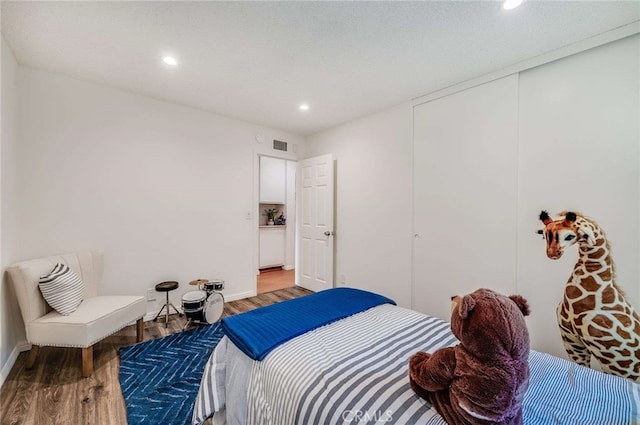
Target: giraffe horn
[
  {"x": 544, "y": 217},
  {"x": 571, "y": 216}
]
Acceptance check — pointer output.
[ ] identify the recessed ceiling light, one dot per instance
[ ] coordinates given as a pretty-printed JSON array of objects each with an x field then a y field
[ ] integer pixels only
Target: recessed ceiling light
[
  {"x": 169, "y": 60},
  {"x": 511, "y": 4},
  {"x": 304, "y": 107}
]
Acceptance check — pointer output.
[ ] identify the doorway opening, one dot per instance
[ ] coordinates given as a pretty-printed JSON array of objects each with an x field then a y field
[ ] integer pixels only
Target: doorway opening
[{"x": 276, "y": 254}]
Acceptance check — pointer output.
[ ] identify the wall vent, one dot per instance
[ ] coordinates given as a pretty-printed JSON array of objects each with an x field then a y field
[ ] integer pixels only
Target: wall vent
[{"x": 279, "y": 146}]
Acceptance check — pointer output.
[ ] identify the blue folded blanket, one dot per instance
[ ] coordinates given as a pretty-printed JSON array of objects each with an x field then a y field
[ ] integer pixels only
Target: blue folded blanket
[{"x": 259, "y": 331}]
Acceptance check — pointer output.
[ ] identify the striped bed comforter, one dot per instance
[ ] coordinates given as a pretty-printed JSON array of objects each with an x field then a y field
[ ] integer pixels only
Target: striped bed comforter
[{"x": 354, "y": 371}]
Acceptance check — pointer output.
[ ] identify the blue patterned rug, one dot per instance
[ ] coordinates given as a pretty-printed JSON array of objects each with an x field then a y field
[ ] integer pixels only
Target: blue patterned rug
[{"x": 160, "y": 378}]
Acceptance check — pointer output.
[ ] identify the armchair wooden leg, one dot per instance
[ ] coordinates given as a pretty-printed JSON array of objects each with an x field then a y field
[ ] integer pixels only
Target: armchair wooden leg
[
  {"x": 140, "y": 330},
  {"x": 87, "y": 361},
  {"x": 32, "y": 356}
]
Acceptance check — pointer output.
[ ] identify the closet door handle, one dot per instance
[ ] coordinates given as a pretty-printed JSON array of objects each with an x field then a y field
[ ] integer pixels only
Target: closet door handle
[{"x": 328, "y": 233}]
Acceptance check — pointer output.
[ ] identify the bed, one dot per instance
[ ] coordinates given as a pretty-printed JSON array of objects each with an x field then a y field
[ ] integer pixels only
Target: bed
[{"x": 351, "y": 368}]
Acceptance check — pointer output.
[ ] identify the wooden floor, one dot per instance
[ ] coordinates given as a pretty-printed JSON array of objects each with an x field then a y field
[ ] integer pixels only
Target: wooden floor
[
  {"x": 274, "y": 279},
  {"x": 54, "y": 392}
]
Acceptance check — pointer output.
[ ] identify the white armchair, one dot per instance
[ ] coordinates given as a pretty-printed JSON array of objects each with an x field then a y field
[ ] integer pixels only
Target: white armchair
[{"x": 96, "y": 318}]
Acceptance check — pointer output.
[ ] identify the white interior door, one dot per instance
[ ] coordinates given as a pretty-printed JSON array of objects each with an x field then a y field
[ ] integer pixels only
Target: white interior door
[{"x": 315, "y": 223}]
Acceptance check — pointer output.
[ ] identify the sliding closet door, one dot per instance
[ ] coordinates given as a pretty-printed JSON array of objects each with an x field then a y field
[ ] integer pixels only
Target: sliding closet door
[
  {"x": 579, "y": 150},
  {"x": 465, "y": 181}
]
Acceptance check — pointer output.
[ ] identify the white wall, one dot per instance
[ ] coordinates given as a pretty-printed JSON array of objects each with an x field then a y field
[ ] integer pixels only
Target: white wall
[
  {"x": 373, "y": 200},
  {"x": 11, "y": 329},
  {"x": 162, "y": 190}
]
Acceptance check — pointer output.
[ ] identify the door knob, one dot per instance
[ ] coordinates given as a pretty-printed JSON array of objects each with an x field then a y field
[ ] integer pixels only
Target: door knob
[{"x": 328, "y": 233}]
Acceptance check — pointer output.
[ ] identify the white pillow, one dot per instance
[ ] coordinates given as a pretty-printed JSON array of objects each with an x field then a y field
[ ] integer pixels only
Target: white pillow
[{"x": 62, "y": 289}]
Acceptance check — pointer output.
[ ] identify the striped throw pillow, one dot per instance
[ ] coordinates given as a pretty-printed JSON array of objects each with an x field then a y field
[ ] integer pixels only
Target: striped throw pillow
[{"x": 62, "y": 289}]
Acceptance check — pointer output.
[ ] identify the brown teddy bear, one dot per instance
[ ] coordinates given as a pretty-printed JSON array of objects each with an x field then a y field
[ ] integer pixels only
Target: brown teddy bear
[{"x": 483, "y": 379}]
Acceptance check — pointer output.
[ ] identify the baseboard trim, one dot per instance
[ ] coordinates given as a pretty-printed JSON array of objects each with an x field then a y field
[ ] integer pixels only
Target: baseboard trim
[
  {"x": 290, "y": 267},
  {"x": 148, "y": 317},
  {"x": 240, "y": 296},
  {"x": 6, "y": 369}
]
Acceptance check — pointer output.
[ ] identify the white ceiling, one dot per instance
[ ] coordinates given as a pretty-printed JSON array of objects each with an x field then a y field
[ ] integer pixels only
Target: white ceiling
[{"x": 257, "y": 61}]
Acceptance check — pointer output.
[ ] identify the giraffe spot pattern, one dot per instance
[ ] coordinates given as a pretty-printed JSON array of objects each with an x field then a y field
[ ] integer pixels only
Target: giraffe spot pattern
[
  {"x": 608, "y": 295},
  {"x": 572, "y": 292},
  {"x": 608, "y": 355},
  {"x": 590, "y": 284},
  {"x": 587, "y": 303},
  {"x": 625, "y": 320},
  {"x": 603, "y": 321},
  {"x": 609, "y": 344},
  {"x": 593, "y": 268},
  {"x": 616, "y": 369},
  {"x": 624, "y": 363},
  {"x": 624, "y": 334}
]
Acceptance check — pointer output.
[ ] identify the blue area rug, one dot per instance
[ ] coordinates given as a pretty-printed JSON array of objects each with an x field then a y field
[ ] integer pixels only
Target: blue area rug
[{"x": 160, "y": 378}]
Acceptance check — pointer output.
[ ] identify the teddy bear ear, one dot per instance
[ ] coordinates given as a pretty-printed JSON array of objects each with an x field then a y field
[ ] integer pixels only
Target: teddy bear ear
[
  {"x": 466, "y": 305},
  {"x": 522, "y": 304}
]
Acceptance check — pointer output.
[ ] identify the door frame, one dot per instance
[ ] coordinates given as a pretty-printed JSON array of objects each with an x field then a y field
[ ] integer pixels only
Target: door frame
[{"x": 255, "y": 215}]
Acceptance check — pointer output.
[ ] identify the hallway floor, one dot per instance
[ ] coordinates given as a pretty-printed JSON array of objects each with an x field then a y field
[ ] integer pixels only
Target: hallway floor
[{"x": 274, "y": 279}]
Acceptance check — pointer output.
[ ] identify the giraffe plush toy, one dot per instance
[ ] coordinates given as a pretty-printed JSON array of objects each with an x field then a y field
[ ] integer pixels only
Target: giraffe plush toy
[{"x": 594, "y": 317}]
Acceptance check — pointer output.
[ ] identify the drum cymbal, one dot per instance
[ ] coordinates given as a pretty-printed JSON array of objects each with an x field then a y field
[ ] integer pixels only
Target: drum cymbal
[{"x": 198, "y": 282}]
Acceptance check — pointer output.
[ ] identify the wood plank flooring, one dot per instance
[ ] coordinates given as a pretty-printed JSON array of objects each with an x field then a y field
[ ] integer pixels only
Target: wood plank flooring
[
  {"x": 54, "y": 392},
  {"x": 273, "y": 279}
]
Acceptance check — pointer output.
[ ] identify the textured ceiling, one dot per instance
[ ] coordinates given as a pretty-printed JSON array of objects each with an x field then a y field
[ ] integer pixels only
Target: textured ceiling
[{"x": 257, "y": 61}]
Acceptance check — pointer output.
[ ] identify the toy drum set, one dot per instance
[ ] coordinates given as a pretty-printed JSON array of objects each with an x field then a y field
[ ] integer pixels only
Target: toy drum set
[{"x": 204, "y": 305}]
